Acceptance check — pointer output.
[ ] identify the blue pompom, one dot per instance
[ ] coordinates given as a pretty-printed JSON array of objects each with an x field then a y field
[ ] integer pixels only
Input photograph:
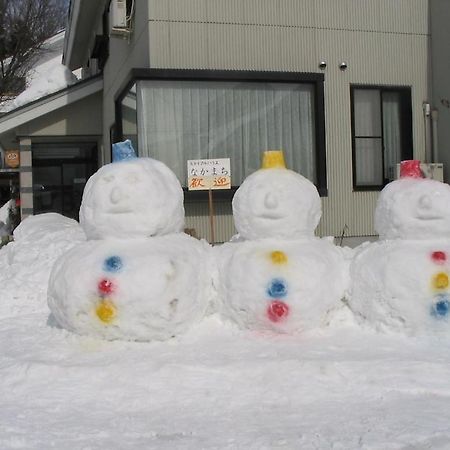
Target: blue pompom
[
  {"x": 441, "y": 308},
  {"x": 122, "y": 151},
  {"x": 113, "y": 264},
  {"x": 277, "y": 288}
]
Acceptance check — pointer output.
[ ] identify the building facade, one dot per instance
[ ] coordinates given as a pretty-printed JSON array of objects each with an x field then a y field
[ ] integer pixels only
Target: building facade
[{"x": 344, "y": 87}]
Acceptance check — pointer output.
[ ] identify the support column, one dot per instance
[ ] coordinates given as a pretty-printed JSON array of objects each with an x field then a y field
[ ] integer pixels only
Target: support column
[{"x": 26, "y": 178}]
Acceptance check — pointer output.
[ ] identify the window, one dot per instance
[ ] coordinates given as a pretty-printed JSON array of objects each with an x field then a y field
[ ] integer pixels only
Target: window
[
  {"x": 211, "y": 117},
  {"x": 60, "y": 172},
  {"x": 381, "y": 134}
]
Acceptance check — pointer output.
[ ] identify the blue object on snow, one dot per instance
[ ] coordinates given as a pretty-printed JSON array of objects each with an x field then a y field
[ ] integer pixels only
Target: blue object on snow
[
  {"x": 441, "y": 308},
  {"x": 113, "y": 264},
  {"x": 122, "y": 151},
  {"x": 277, "y": 288}
]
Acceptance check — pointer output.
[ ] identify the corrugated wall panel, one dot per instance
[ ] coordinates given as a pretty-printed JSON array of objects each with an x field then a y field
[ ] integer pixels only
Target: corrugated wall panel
[
  {"x": 198, "y": 218},
  {"x": 384, "y": 42}
]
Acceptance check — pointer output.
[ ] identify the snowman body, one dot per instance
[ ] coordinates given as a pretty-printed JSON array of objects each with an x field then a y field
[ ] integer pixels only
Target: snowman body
[
  {"x": 281, "y": 285},
  {"x": 402, "y": 281},
  {"x": 278, "y": 276},
  {"x": 138, "y": 277}
]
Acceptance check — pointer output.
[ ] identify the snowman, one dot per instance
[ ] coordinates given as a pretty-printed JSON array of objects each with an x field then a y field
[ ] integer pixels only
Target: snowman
[
  {"x": 402, "y": 281},
  {"x": 137, "y": 277},
  {"x": 276, "y": 275}
]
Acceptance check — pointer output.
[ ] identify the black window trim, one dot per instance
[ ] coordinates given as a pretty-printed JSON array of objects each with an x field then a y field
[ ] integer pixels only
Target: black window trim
[
  {"x": 242, "y": 76},
  {"x": 405, "y": 125}
]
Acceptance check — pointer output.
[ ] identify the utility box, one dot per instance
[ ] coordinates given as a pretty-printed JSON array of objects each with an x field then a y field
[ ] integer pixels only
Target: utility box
[{"x": 118, "y": 14}]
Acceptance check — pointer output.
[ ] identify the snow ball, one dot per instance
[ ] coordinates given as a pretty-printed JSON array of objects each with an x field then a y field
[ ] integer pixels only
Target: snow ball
[
  {"x": 412, "y": 208},
  {"x": 276, "y": 203},
  {"x": 141, "y": 289},
  {"x": 130, "y": 199},
  {"x": 281, "y": 286},
  {"x": 403, "y": 285}
]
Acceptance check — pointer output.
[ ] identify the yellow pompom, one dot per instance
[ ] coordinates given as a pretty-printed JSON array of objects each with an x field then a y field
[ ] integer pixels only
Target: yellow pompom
[
  {"x": 278, "y": 257},
  {"x": 106, "y": 311},
  {"x": 440, "y": 281},
  {"x": 273, "y": 159}
]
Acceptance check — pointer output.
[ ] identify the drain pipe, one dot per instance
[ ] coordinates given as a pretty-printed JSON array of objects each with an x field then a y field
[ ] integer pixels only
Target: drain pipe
[
  {"x": 426, "y": 120},
  {"x": 434, "y": 130}
]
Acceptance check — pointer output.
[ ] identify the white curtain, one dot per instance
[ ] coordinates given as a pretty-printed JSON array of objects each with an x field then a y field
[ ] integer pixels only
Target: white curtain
[
  {"x": 368, "y": 137},
  {"x": 391, "y": 131},
  {"x": 181, "y": 120},
  {"x": 377, "y": 115}
]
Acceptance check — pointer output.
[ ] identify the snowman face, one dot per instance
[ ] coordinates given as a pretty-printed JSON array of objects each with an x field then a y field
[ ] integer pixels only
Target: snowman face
[
  {"x": 134, "y": 198},
  {"x": 414, "y": 209},
  {"x": 276, "y": 203}
]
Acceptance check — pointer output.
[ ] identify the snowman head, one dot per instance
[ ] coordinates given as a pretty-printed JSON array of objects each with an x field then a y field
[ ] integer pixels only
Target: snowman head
[
  {"x": 413, "y": 208},
  {"x": 130, "y": 199},
  {"x": 276, "y": 202}
]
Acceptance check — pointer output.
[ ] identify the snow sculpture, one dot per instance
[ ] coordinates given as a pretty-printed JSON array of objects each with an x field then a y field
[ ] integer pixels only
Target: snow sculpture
[
  {"x": 402, "y": 281},
  {"x": 138, "y": 277},
  {"x": 277, "y": 276}
]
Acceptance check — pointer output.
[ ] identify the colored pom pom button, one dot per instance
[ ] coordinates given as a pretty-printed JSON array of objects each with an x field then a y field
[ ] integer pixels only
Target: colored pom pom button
[
  {"x": 440, "y": 281},
  {"x": 441, "y": 308},
  {"x": 106, "y": 311},
  {"x": 113, "y": 264},
  {"x": 278, "y": 257},
  {"x": 277, "y": 288},
  {"x": 439, "y": 257},
  {"x": 277, "y": 311},
  {"x": 105, "y": 286}
]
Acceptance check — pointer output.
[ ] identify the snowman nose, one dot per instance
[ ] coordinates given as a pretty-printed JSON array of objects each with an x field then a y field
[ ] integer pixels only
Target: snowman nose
[
  {"x": 425, "y": 202},
  {"x": 116, "y": 195},
  {"x": 270, "y": 201}
]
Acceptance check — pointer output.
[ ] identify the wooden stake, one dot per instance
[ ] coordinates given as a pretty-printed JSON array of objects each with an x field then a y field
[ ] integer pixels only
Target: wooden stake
[{"x": 211, "y": 215}]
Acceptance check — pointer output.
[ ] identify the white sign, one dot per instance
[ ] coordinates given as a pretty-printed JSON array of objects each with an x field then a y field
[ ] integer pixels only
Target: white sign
[{"x": 205, "y": 174}]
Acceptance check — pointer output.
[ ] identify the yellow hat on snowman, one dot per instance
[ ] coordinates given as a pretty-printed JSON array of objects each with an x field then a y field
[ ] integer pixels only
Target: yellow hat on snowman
[{"x": 273, "y": 159}]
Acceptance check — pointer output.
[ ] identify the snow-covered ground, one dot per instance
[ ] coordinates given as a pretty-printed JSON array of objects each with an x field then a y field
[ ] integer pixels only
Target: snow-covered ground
[{"x": 344, "y": 387}]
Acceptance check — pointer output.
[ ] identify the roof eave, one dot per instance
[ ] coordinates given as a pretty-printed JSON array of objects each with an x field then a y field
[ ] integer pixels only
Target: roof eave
[{"x": 51, "y": 102}]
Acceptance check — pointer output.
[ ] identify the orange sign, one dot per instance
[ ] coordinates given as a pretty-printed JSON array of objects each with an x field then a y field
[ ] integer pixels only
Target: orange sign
[{"x": 12, "y": 159}]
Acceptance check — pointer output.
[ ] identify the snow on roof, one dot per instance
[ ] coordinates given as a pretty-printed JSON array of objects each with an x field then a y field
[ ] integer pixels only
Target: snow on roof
[{"x": 46, "y": 76}]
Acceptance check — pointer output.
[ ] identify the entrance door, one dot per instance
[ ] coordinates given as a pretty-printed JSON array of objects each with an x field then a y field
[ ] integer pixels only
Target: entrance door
[{"x": 60, "y": 172}]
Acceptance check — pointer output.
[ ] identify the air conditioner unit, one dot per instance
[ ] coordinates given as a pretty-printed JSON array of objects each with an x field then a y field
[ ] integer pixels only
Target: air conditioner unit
[
  {"x": 435, "y": 171},
  {"x": 119, "y": 14}
]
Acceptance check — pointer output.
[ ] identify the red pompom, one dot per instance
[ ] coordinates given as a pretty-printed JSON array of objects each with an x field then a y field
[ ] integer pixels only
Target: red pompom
[
  {"x": 105, "y": 286},
  {"x": 277, "y": 311},
  {"x": 439, "y": 257}
]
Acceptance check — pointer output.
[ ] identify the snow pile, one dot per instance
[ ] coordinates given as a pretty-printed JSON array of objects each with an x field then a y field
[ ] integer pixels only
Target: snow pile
[
  {"x": 278, "y": 276},
  {"x": 402, "y": 281},
  {"x": 4, "y": 218},
  {"x": 59, "y": 77},
  {"x": 138, "y": 277},
  {"x": 27, "y": 261}
]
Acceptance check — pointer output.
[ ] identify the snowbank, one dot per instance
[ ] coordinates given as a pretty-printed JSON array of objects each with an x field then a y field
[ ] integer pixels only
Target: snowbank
[
  {"x": 27, "y": 261},
  {"x": 214, "y": 388}
]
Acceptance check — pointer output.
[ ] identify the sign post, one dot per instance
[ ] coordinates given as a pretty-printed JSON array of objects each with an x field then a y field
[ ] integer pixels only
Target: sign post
[{"x": 209, "y": 174}]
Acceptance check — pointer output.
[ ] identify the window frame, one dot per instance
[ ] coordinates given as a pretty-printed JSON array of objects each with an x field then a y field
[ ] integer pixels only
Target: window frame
[
  {"x": 405, "y": 128},
  {"x": 317, "y": 79}
]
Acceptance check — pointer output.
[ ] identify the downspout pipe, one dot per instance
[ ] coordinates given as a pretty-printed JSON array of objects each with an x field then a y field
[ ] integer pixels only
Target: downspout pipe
[{"x": 434, "y": 131}]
